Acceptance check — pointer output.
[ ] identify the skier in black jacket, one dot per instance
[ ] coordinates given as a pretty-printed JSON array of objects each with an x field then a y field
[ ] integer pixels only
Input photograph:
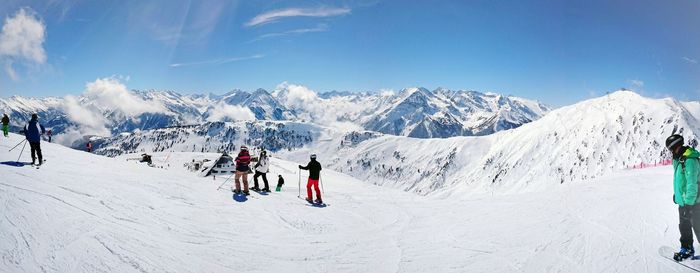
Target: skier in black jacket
[{"x": 314, "y": 175}]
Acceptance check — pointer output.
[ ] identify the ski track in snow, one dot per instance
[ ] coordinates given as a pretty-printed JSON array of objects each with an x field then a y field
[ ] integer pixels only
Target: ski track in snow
[{"x": 86, "y": 213}]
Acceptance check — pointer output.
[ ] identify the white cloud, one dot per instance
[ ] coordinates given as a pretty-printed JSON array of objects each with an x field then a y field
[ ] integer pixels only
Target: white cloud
[
  {"x": 219, "y": 61},
  {"x": 111, "y": 94},
  {"x": 301, "y": 97},
  {"x": 387, "y": 92},
  {"x": 318, "y": 28},
  {"x": 88, "y": 121},
  {"x": 273, "y": 16},
  {"x": 296, "y": 96},
  {"x": 100, "y": 96},
  {"x": 636, "y": 83},
  {"x": 83, "y": 115},
  {"x": 227, "y": 112},
  {"x": 690, "y": 60},
  {"x": 22, "y": 40}
]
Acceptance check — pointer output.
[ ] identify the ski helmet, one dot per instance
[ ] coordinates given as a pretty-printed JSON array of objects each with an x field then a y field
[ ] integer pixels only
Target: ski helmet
[
  {"x": 313, "y": 156},
  {"x": 244, "y": 148},
  {"x": 673, "y": 141}
]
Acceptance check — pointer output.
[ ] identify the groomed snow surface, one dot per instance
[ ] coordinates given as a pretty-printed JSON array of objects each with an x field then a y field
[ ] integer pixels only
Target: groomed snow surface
[{"x": 87, "y": 213}]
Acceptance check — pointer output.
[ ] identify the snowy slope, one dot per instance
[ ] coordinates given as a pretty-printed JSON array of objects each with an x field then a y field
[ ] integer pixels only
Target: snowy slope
[
  {"x": 86, "y": 213},
  {"x": 574, "y": 143}
]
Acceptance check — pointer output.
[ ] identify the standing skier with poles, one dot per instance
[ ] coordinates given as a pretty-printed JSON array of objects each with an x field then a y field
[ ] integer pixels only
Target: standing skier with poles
[
  {"x": 685, "y": 189},
  {"x": 261, "y": 169},
  {"x": 5, "y": 125},
  {"x": 33, "y": 131},
  {"x": 242, "y": 168},
  {"x": 314, "y": 174}
]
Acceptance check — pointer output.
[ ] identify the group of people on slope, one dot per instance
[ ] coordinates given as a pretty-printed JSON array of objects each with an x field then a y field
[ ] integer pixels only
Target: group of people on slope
[
  {"x": 32, "y": 131},
  {"x": 262, "y": 166}
]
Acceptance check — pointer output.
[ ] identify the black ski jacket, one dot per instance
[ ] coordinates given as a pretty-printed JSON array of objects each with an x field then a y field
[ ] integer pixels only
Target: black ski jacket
[{"x": 314, "y": 169}]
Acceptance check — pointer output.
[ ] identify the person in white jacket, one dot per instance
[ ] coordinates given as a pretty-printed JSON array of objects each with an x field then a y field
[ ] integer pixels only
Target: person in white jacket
[{"x": 261, "y": 169}]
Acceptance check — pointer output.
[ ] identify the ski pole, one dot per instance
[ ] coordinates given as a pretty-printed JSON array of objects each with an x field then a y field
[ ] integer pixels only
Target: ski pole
[
  {"x": 20, "y": 153},
  {"x": 299, "y": 182},
  {"x": 321, "y": 181},
  {"x": 222, "y": 184},
  {"x": 17, "y": 145}
]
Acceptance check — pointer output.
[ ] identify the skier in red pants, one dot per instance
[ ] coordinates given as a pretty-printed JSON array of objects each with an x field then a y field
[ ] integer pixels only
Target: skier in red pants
[{"x": 314, "y": 175}]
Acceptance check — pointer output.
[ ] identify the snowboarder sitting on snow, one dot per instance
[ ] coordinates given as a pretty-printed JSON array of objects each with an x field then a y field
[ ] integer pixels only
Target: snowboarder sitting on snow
[
  {"x": 242, "y": 168},
  {"x": 314, "y": 174},
  {"x": 5, "y": 125},
  {"x": 280, "y": 182},
  {"x": 49, "y": 133},
  {"x": 33, "y": 131},
  {"x": 261, "y": 169},
  {"x": 88, "y": 147},
  {"x": 685, "y": 188}
]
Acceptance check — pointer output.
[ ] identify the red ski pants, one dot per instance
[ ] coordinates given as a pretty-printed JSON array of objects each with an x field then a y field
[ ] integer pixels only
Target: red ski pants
[{"x": 313, "y": 183}]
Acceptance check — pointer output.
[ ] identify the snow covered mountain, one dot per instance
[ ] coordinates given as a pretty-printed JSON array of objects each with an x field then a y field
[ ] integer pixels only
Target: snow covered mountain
[
  {"x": 574, "y": 143},
  {"x": 87, "y": 213},
  {"x": 418, "y": 112},
  {"x": 108, "y": 109},
  {"x": 212, "y": 137}
]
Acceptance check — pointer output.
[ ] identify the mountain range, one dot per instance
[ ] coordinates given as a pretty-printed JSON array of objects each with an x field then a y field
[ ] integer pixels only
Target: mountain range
[
  {"x": 413, "y": 112},
  {"x": 574, "y": 143}
]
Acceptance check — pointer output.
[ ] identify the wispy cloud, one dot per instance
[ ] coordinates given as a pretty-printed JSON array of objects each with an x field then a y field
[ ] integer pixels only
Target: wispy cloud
[
  {"x": 219, "y": 61},
  {"x": 638, "y": 84},
  {"x": 690, "y": 60},
  {"x": 275, "y": 15},
  {"x": 318, "y": 28}
]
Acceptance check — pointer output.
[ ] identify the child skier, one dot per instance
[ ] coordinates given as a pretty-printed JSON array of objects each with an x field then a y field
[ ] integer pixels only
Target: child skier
[
  {"x": 242, "y": 168},
  {"x": 261, "y": 169},
  {"x": 314, "y": 174},
  {"x": 280, "y": 182},
  {"x": 685, "y": 188}
]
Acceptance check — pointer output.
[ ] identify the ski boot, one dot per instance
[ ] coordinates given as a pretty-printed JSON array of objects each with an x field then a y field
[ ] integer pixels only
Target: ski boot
[
  {"x": 319, "y": 201},
  {"x": 246, "y": 193},
  {"x": 683, "y": 254},
  {"x": 265, "y": 190},
  {"x": 309, "y": 200}
]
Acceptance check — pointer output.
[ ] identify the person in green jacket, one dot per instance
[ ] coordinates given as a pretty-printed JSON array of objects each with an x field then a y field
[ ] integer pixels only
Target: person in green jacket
[
  {"x": 5, "y": 124},
  {"x": 685, "y": 193}
]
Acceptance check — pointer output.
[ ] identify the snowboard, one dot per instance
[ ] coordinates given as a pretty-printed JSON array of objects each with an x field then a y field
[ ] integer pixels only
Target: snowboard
[
  {"x": 240, "y": 197},
  {"x": 690, "y": 263},
  {"x": 317, "y": 205}
]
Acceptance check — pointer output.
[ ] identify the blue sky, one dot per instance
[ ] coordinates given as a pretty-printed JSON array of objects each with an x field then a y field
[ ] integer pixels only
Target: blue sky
[{"x": 558, "y": 52}]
